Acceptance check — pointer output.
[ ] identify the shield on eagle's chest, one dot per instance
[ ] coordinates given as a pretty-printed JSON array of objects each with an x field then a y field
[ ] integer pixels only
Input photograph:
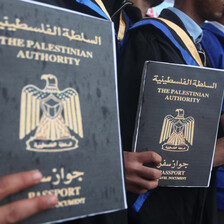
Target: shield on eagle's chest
[
  {"x": 51, "y": 106},
  {"x": 178, "y": 126}
]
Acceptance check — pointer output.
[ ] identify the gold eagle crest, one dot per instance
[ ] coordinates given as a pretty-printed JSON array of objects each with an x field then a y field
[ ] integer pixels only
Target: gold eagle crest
[
  {"x": 177, "y": 132},
  {"x": 52, "y": 116}
]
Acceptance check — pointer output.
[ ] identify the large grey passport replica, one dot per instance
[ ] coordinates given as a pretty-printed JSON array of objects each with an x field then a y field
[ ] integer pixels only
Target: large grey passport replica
[
  {"x": 178, "y": 116},
  {"x": 59, "y": 110}
]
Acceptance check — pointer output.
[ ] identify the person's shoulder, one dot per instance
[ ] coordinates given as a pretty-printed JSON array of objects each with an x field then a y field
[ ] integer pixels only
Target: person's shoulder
[
  {"x": 149, "y": 29},
  {"x": 208, "y": 27},
  {"x": 146, "y": 24},
  {"x": 209, "y": 35}
]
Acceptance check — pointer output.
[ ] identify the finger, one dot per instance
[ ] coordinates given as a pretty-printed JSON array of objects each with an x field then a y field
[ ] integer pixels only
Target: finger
[
  {"x": 20, "y": 210},
  {"x": 16, "y": 182},
  {"x": 149, "y": 157},
  {"x": 149, "y": 173}
]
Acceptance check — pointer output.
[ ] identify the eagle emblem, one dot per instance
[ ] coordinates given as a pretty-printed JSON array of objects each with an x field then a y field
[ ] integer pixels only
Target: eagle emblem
[
  {"x": 177, "y": 132},
  {"x": 50, "y": 117}
]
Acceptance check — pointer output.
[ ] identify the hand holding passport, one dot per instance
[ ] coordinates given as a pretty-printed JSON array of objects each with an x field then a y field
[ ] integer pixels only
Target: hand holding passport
[
  {"x": 19, "y": 210},
  {"x": 140, "y": 178}
]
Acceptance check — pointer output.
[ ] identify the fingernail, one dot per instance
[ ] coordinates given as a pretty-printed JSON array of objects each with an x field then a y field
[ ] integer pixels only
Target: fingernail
[
  {"x": 52, "y": 201},
  {"x": 37, "y": 176}
]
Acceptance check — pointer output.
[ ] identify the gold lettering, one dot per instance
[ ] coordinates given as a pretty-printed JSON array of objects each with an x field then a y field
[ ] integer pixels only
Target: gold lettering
[
  {"x": 70, "y": 202},
  {"x": 76, "y": 61},
  {"x": 3, "y": 40},
  {"x": 15, "y": 42},
  {"x": 173, "y": 172},
  {"x": 161, "y": 90},
  {"x": 31, "y": 194},
  {"x": 29, "y": 43},
  {"x": 32, "y": 55},
  {"x": 58, "y": 48},
  {"x": 183, "y": 99},
  {"x": 177, "y": 178},
  {"x": 63, "y": 192},
  {"x": 20, "y": 55}
]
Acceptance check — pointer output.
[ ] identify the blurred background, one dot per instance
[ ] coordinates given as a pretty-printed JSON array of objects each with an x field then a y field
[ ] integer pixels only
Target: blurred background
[{"x": 155, "y": 11}]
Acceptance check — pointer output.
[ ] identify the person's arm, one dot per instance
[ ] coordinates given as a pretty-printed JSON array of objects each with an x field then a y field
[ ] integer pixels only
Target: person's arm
[
  {"x": 140, "y": 48},
  {"x": 19, "y": 210}
]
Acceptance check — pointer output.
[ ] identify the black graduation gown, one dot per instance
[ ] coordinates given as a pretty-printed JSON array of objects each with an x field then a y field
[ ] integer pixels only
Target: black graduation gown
[
  {"x": 164, "y": 205},
  {"x": 133, "y": 13}
]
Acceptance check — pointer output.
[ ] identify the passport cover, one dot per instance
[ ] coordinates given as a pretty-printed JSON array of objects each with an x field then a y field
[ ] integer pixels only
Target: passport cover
[
  {"x": 59, "y": 110},
  {"x": 178, "y": 117}
]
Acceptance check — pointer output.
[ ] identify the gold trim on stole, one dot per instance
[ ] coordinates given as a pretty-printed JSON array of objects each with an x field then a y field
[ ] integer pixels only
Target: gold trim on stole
[{"x": 186, "y": 39}]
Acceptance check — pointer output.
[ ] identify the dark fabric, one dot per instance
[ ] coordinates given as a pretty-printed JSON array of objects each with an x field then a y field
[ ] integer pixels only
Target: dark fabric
[
  {"x": 111, "y": 218},
  {"x": 112, "y": 6},
  {"x": 164, "y": 205},
  {"x": 213, "y": 42},
  {"x": 145, "y": 43},
  {"x": 210, "y": 214},
  {"x": 133, "y": 13}
]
